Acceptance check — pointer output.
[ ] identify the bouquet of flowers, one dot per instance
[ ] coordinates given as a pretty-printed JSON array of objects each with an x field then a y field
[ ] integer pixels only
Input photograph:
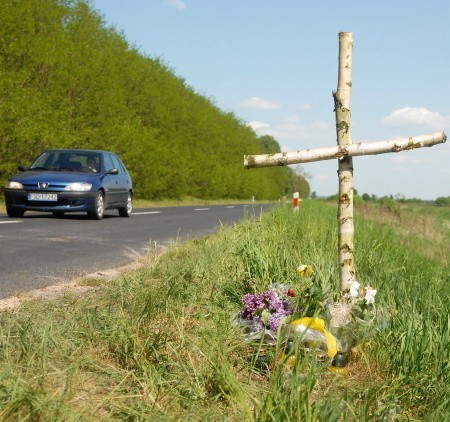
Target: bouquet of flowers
[
  {"x": 264, "y": 313},
  {"x": 275, "y": 313}
]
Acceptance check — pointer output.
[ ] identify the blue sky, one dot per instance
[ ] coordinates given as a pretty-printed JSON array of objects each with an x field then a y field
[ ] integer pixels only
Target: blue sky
[{"x": 273, "y": 63}]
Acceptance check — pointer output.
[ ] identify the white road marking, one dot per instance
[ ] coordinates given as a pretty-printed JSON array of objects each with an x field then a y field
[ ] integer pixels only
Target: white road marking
[
  {"x": 9, "y": 222},
  {"x": 146, "y": 212},
  {"x": 201, "y": 209},
  {"x": 230, "y": 206}
]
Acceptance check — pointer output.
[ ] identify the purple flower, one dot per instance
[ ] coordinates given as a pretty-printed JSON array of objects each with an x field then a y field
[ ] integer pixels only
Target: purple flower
[{"x": 266, "y": 308}]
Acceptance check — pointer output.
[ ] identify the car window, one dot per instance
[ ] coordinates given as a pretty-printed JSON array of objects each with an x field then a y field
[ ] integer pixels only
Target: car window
[
  {"x": 116, "y": 163},
  {"x": 121, "y": 166},
  {"x": 108, "y": 162},
  {"x": 45, "y": 161},
  {"x": 91, "y": 163},
  {"x": 68, "y": 161}
]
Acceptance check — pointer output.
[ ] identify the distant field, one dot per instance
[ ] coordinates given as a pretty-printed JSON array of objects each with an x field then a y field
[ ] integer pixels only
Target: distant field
[{"x": 424, "y": 228}]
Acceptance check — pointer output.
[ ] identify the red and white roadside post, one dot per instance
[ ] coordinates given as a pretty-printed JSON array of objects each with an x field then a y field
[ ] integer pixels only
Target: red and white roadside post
[{"x": 296, "y": 201}]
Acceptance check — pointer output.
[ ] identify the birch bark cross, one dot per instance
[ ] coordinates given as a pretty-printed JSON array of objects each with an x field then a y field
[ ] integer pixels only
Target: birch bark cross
[{"x": 344, "y": 152}]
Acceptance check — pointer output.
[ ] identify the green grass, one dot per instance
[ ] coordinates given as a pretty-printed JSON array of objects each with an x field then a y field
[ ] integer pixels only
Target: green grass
[{"x": 159, "y": 344}]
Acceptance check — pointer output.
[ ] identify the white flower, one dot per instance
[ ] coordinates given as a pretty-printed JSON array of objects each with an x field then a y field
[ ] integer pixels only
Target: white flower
[
  {"x": 354, "y": 289},
  {"x": 370, "y": 295},
  {"x": 279, "y": 288}
]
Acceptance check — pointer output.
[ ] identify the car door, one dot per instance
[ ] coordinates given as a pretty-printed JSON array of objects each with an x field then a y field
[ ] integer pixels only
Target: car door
[
  {"x": 110, "y": 182},
  {"x": 116, "y": 181},
  {"x": 122, "y": 180}
]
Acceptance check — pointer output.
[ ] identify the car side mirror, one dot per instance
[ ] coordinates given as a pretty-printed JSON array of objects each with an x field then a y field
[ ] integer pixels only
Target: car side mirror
[
  {"x": 21, "y": 168},
  {"x": 113, "y": 171}
]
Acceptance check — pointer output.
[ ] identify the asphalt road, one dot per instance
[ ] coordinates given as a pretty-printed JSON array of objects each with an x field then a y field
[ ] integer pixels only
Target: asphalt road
[{"x": 39, "y": 250}]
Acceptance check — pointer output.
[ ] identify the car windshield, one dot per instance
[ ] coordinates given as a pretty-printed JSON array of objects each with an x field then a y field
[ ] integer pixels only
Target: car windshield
[{"x": 84, "y": 161}]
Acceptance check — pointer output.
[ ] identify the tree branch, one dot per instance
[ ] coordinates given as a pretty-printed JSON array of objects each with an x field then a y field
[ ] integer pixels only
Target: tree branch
[{"x": 353, "y": 150}]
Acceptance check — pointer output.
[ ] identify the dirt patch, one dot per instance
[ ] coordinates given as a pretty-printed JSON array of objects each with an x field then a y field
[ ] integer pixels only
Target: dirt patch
[
  {"x": 76, "y": 286},
  {"x": 87, "y": 282}
]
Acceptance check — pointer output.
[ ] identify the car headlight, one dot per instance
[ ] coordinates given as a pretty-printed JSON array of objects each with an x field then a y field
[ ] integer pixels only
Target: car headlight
[
  {"x": 13, "y": 185},
  {"x": 79, "y": 187}
]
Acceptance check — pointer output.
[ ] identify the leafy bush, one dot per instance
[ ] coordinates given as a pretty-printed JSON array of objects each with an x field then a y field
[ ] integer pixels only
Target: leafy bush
[{"x": 443, "y": 200}]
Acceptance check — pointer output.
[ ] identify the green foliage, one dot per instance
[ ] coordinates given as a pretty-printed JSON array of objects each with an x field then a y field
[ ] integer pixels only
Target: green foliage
[
  {"x": 68, "y": 80},
  {"x": 269, "y": 144},
  {"x": 390, "y": 204},
  {"x": 357, "y": 199},
  {"x": 300, "y": 185},
  {"x": 443, "y": 200}
]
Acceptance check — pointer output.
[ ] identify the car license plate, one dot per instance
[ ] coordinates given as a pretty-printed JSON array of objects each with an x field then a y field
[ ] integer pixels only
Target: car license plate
[{"x": 42, "y": 197}]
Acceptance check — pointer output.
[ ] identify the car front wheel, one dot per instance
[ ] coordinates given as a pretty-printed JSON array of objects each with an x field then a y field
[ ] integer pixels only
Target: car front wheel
[
  {"x": 126, "y": 211},
  {"x": 99, "y": 208}
]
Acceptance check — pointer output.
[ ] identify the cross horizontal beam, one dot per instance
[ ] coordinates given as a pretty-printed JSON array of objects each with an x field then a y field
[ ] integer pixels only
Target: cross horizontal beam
[{"x": 339, "y": 152}]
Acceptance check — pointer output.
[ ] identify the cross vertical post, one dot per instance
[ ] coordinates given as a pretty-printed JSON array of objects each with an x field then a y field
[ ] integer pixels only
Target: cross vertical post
[
  {"x": 344, "y": 152},
  {"x": 345, "y": 171}
]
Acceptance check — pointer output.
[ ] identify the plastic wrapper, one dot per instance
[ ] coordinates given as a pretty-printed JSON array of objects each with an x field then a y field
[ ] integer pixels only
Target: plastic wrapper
[
  {"x": 311, "y": 335},
  {"x": 254, "y": 330},
  {"x": 350, "y": 327}
]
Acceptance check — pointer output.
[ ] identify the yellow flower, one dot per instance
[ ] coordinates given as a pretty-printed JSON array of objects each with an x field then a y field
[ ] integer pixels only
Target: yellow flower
[{"x": 305, "y": 270}]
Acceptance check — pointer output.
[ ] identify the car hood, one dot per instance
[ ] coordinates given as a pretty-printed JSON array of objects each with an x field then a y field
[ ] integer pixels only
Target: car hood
[{"x": 30, "y": 177}]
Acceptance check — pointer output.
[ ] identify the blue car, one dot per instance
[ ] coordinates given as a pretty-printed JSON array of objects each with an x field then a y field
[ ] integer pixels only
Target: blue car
[{"x": 71, "y": 180}]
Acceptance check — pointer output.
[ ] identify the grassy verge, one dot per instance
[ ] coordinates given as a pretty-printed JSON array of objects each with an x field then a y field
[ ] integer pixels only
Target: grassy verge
[{"x": 158, "y": 344}]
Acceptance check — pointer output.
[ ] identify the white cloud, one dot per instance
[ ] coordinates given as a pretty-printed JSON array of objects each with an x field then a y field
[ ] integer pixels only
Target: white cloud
[
  {"x": 416, "y": 116},
  {"x": 322, "y": 177},
  {"x": 258, "y": 126},
  {"x": 178, "y": 4},
  {"x": 323, "y": 126},
  {"x": 292, "y": 119},
  {"x": 303, "y": 134},
  {"x": 292, "y": 131},
  {"x": 259, "y": 103},
  {"x": 283, "y": 132},
  {"x": 305, "y": 107},
  {"x": 293, "y": 134},
  {"x": 405, "y": 158}
]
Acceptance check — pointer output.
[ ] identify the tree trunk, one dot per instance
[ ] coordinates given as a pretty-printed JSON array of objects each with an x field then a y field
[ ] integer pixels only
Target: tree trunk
[{"x": 345, "y": 170}]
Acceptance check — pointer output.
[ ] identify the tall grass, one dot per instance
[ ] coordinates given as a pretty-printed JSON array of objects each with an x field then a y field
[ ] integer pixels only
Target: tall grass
[{"x": 159, "y": 344}]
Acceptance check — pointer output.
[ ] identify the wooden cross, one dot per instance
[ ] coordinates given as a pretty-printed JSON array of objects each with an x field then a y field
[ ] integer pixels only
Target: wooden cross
[{"x": 344, "y": 152}]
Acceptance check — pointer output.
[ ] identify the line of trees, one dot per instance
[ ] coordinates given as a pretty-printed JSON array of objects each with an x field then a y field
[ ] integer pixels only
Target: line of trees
[
  {"x": 390, "y": 200},
  {"x": 68, "y": 80},
  {"x": 400, "y": 198}
]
